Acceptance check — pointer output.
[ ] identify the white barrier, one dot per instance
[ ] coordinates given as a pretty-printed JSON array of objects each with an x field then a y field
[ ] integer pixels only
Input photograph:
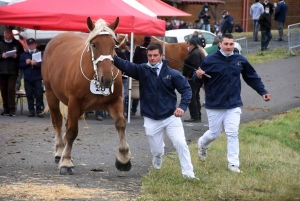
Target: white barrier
[
  {"x": 294, "y": 36},
  {"x": 242, "y": 45}
]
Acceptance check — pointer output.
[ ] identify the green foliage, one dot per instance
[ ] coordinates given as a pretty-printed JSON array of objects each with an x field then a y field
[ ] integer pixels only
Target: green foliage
[{"x": 270, "y": 161}]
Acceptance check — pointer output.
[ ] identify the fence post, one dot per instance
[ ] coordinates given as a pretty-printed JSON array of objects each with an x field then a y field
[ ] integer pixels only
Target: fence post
[{"x": 294, "y": 36}]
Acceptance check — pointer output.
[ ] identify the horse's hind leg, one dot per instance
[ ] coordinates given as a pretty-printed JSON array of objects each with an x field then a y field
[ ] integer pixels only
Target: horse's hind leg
[
  {"x": 123, "y": 157},
  {"x": 56, "y": 118},
  {"x": 66, "y": 166}
]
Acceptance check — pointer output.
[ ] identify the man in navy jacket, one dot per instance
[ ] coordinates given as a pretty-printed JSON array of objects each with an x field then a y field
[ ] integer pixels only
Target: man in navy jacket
[
  {"x": 227, "y": 24},
  {"x": 158, "y": 104},
  {"x": 280, "y": 17},
  {"x": 32, "y": 79},
  {"x": 223, "y": 99}
]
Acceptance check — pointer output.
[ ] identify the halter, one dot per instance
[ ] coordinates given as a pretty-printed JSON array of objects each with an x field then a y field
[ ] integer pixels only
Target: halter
[{"x": 96, "y": 80}]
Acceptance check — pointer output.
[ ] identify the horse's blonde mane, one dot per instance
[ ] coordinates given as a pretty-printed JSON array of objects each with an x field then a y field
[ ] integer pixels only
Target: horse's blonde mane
[{"x": 100, "y": 26}]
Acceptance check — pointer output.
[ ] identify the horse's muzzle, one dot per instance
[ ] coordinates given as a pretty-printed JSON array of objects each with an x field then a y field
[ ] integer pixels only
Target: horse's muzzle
[{"x": 105, "y": 83}]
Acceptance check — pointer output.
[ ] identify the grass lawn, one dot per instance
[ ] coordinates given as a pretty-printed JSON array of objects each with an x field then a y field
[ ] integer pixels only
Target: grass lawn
[{"x": 270, "y": 161}]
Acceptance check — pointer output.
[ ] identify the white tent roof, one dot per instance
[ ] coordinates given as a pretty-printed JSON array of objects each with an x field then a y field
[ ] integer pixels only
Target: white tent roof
[{"x": 140, "y": 7}]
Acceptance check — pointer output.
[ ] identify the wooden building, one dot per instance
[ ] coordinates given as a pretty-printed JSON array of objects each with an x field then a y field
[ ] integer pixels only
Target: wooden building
[{"x": 239, "y": 9}]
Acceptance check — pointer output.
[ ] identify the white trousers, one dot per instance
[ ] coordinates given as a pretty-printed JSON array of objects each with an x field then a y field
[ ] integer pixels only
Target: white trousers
[
  {"x": 155, "y": 130},
  {"x": 230, "y": 119}
]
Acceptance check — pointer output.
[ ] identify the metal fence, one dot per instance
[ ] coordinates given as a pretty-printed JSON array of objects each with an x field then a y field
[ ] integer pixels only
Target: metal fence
[
  {"x": 242, "y": 45},
  {"x": 294, "y": 37}
]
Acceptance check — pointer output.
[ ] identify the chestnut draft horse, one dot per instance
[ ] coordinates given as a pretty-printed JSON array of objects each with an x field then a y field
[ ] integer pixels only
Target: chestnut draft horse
[
  {"x": 82, "y": 76},
  {"x": 173, "y": 51}
]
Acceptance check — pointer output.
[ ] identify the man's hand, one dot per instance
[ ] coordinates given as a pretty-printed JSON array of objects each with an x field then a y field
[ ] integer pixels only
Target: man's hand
[
  {"x": 33, "y": 62},
  {"x": 199, "y": 73},
  {"x": 28, "y": 61},
  {"x": 14, "y": 56},
  {"x": 3, "y": 55},
  {"x": 266, "y": 97},
  {"x": 178, "y": 112}
]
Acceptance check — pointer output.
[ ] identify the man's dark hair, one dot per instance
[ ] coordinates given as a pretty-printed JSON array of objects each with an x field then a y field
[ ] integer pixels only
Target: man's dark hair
[
  {"x": 256, "y": 1},
  {"x": 226, "y": 35},
  {"x": 193, "y": 42},
  {"x": 155, "y": 46}
]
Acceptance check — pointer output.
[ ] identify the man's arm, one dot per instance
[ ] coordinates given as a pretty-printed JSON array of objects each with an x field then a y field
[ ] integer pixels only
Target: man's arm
[
  {"x": 183, "y": 87},
  {"x": 130, "y": 69}
]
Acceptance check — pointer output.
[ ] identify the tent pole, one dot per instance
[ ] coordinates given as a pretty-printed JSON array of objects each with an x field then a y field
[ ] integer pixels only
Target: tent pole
[
  {"x": 164, "y": 46},
  {"x": 130, "y": 79}
]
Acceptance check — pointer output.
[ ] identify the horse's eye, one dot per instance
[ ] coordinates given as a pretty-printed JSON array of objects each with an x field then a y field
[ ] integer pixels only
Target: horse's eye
[{"x": 93, "y": 45}]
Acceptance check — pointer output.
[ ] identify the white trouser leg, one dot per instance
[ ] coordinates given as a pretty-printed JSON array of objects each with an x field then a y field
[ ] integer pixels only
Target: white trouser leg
[
  {"x": 231, "y": 127},
  {"x": 174, "y": 130},
  {"x": 155, "y": 132},
  {"x": 215, "y": 121}
]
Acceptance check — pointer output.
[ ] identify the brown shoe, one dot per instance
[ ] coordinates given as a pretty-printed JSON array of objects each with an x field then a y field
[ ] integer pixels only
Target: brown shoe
[{"x": 191, "y": 120}]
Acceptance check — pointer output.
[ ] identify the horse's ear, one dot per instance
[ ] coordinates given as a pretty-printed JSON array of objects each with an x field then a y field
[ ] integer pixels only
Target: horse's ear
[
  {"x": 115, "y": 24},
  {"x": 90, "y": 24}
]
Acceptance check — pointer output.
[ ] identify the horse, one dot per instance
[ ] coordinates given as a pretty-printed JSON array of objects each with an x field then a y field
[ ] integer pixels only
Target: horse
[
  {"x": 80, "y": 74},
  {"x": 175, "y": 53}
]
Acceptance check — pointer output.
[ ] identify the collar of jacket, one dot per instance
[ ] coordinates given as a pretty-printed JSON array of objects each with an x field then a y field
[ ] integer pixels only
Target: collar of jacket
[{"x": 193, "y": 49}]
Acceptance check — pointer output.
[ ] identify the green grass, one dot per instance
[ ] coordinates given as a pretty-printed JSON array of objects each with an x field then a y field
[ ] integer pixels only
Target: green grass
[
  {"x": 270, "y": 161},
  {"x": 250, "y": 34},
  {"x": 268, "y": 56}
]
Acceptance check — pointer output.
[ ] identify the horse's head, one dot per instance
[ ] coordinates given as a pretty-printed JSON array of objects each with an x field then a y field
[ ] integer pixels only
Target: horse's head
[{"x": 101, "y": 43}]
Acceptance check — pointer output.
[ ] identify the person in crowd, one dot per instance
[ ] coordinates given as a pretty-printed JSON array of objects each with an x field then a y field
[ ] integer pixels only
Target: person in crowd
[
  {"x": 227, "y": 23},
  {"x": 271, "y": 7},
  {"x": 9, "y": 71},
  {"x": 140, "y": 57},
  {"x": 218, "y": 38},
  {"x": 158, "y": 105},
  {"x": 217, "y": 26},
  {"x": 223, "y": 99},
  {"x": 202, "y": 39},
  {"x": 205, "y": 16},
  {"x": 195, "y": 37},
  {"x": 280, "y": 17},
  {"x": 265, "y": 28},
  {"x": 191, "y": 25},
  {"x": 183, "y": 25},
  {"x": 255, "y": 11},
  {"x": 192, "y": 63},
  {"x": 22, "y": 40},
  {"x": 169, "y": 26},
  {"x": 32, "y": 79}
]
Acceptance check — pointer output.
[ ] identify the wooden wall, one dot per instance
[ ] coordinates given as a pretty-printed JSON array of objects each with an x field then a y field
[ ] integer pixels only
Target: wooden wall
[{"x": 235, "y": 8}]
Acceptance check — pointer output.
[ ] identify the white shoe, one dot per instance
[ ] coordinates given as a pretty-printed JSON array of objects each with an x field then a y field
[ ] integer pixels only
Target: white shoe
[
  {"x": 190, "y": 177},
  {"x": 156, "y": 162},
  {"x": 234, "y": 169},
  {"x": 202, "y": 153}
]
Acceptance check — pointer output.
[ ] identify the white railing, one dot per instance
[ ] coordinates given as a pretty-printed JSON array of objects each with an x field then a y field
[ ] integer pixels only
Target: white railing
[
  {"x": 294, "y": 36},
  {"x": 242, "y": 45}
]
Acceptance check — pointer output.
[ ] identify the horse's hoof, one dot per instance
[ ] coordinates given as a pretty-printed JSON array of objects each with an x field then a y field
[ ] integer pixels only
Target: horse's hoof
[
  {"x": 67, "y": 171},
  {"x": 123, "y": 167},
  {"x": 57, "y": 159}
]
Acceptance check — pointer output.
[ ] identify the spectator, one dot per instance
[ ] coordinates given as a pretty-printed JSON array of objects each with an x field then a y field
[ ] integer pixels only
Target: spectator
[
  {"x": 192, "y": 63},
  {"x": 169, "y": 26},
  {"x": 217, "y": 26},
  {"x": 280, "y": 17},
  {"x": 158, "y": 99},
  {"x": 205, "y": 16},
  {"x": 32, "y": 79},
  {"x": 223, "y": 98},
  {"x": 202, "y": 39},
  {"x": 265, "y": 27},
  {"x": 9, "y": 71},
  {"x": 255, "y": 11},
  {"x": 140, "y": 57},
  {"x": 183, "y": 25},
  {"x": 191, "y": 25},
  {"x": 218, "y": 37},
  {"x": 227, "y": 24},
  {"x": 195, "y": 37},
  {"x": 266, "y": 3},
  {"x": 25, "y": 47}
]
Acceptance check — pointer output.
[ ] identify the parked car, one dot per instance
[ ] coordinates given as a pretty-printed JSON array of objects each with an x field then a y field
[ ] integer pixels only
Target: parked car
[{"x": 183, "y": 35}]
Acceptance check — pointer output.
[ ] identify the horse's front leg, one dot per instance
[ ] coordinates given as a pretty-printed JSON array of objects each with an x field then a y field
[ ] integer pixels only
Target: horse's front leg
[
  {"x": 66, "y": 165},
  {"x": 123, "y": 157}
]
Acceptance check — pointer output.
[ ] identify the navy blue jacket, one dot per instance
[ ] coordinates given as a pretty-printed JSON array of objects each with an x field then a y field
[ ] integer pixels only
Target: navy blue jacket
[
  {"x": 31, "y": 73},
  {"x": 280, "y": 12},
  {"x": 223, "y": 89},
  {"x": 227, "y": 24},
  {"x": 157, "y": 93}
]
